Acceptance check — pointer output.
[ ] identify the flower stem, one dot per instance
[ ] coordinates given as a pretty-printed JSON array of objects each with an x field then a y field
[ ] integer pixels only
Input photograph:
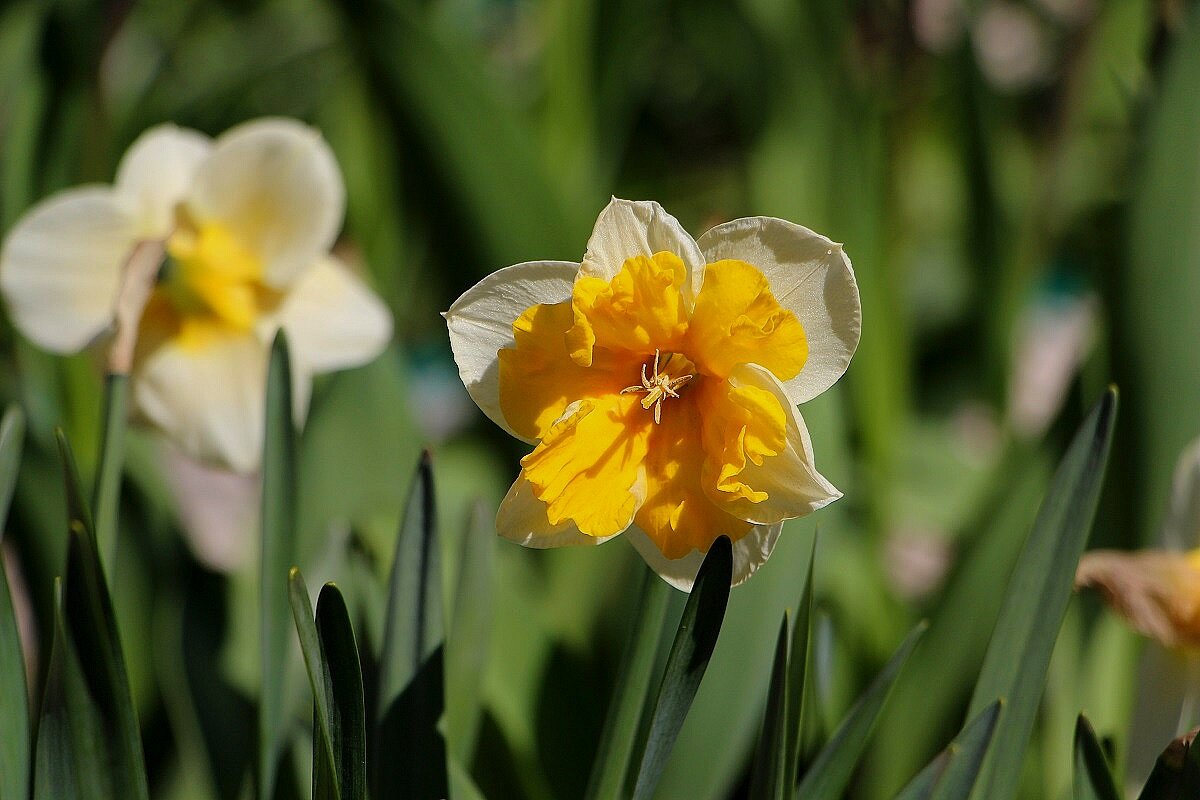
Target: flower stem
[
  {"x": 633, "y": 680},
  {"x": 140, "y": 275}
]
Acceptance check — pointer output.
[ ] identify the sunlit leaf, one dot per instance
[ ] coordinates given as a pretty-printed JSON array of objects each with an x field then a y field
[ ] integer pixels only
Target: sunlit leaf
[
  {"x": 410, "y": 757},
  {"x": 695, "y": 639},
  {"x": 1036, "y": 600},
  {"x": 769, "y": 772},
  {"x": 833, "y": 767}
]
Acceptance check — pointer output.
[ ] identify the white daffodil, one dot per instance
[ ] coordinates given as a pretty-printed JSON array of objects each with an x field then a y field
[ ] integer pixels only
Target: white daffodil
[
  {"x": 193, "y": 259},
  {"x": 659, "y": 381}
]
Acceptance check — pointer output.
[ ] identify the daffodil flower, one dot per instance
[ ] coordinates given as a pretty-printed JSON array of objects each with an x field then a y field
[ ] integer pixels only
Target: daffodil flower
[
  {"x": 1157, "y": 591},
  {"x": 659, "y": 379},
  {"x": 200, "y": 251}
]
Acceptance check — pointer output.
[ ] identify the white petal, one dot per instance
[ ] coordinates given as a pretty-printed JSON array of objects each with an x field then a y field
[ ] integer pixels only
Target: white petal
[
  {"x": 480, "y": 323},
  {"x": 209, "y": 398},
  {"x": 156, "y": 173},
  {"x": 60, "y": 269},
  {"x": 522, "y": 518},
  {"x": 810, "y": 276},
  {"x": 276, "y": 184},
  {"x": 627, "y": 228},
  {"x": 749, "y": 553},
  {"x": 794, "y": 487},
  {"x": 333, "y": 321}
]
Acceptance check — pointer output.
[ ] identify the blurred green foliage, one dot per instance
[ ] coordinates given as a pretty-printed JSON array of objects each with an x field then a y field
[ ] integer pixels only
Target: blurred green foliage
[{"x": 990, "y": 166}]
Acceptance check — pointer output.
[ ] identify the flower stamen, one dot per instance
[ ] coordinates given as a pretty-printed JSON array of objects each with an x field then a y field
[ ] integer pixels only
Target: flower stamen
[{"x": 658, "y": 387}]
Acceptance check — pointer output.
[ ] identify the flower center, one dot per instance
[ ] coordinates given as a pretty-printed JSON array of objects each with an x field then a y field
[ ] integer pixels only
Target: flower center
[
  {"x": 213, "y": 274},
  {"x": 671, "y": 373}
]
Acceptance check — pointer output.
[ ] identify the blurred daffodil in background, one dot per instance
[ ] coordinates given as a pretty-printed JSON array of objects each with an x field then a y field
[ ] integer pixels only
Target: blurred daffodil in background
[
  {"x": 1157, "y": 591},
  {"x": 659, "y": 380},
  {"x": 198, "y": 253}
]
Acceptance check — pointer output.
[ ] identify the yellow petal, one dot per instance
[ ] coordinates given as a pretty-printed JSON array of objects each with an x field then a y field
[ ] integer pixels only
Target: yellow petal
[
  {"x": 524, "y": 519},
  {"x": 639, "y": 310},
  {"x": 677, "y": 515},
  {"x": 810, "y": 276},
  {"x": 537, "y": 378},
  {"x": 737, "y": 321},
  {"x": 759, "y": 460},
  {"x": 589, "y": 467}
]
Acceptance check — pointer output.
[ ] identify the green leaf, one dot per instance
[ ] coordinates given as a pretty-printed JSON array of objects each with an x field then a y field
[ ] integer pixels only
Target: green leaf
[
  {"x": 798, "y": 668},
  {"x": 411, "y": 754},
  {"x": 342, "y": 676},
  {"x": 624, "y": 716},
  {"x": 68, "y": 764},
  {"x": 278, "y": 555},
  {"x": 952, "y": 774},
  {"x": 1166, "y": 781},
  {"x": 695, "y": 639},
  {"x": 92, "y": 626},
  {"x": 325, "y": 783},
  {"x": 470, "y": 634},
  {"x": 79, "y": 518},
  {"x": 94, "y": 739},
  {"x": 833, "y": 767},
  {"x": 1093, "y": 776},
  {"x": 769, "y": 773},
  {"x": 106, "y": 498},
  {"x": 14, "y": 697},
  {"x": 1036, "y": 599}
]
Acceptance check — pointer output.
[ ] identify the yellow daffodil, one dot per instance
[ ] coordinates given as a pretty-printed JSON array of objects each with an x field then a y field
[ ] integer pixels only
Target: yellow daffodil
[
  {"x": 659, "y": 380},
  {"x": 221, "y": 242}
]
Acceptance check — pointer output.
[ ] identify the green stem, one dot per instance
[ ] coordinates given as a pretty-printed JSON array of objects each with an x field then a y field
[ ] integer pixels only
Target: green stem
[
  {"x": 633, "y": 682},
  {"x": 107, "y": 495}
]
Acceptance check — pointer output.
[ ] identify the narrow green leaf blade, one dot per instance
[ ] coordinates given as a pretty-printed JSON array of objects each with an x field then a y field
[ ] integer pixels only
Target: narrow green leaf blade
[
  {"x": 1036, "y": 599},
  {"x": 798, "y": 663},
  {"x": 695, "y": 639},
  {"x": 79, "y": 517},
  {"x": 769, "y": 772},
  {"x": 833, "y": 767},
  {"x": 92, "y": 636},
  {"x": 68, "y": 729},
  {"x": 344, "y": 692},
  {"x": 1093, "y": 776},
  {"x": 278, "y": 555},
  {"x": 953, "y": 772},
  {"x": 325, "y": 784},
  {"x": 624, "y": 719},
  {"x": 470, "y": 635},
  {"x": 411, "y": 754},
  {"x": 14, "y": 697}
]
